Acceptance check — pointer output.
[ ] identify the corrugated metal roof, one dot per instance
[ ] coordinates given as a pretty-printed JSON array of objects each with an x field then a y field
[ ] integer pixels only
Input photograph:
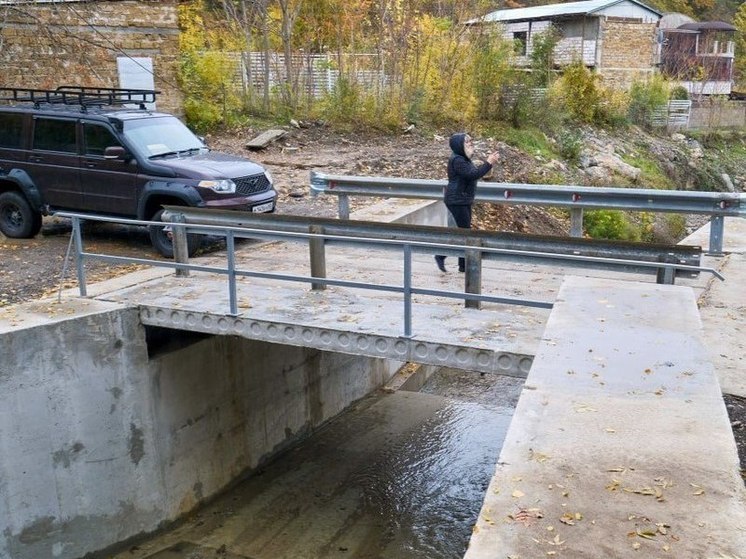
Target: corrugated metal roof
[{"x": 553, "y": 10}]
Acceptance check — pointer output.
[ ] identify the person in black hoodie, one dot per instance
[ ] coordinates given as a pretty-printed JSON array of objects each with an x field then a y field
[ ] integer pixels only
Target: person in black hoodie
[{"x": 459, "y": 194}]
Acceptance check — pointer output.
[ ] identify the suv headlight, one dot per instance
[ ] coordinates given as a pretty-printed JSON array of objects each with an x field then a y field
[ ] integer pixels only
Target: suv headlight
[
  {"x": 268, "y": 175},
  {"x": 223, "y": 185}
]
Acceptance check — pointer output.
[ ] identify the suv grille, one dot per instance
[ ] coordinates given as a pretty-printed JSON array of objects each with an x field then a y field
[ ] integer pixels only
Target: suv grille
[{"x": 251, "y": 185}]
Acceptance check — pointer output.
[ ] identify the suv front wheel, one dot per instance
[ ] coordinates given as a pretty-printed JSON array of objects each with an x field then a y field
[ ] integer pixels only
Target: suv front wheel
[
  {"x": 18, "y": 220},
  {"x": 162, "y": 238}
]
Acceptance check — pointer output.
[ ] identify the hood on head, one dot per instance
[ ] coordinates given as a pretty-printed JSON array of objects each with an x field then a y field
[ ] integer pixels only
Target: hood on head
[{"x": 457, "y": 144}]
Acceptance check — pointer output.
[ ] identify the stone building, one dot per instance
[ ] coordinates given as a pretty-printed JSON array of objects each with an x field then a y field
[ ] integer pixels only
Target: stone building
[
  {"x": 615, "y": 38},
  {"x": 94, "y": 43}
]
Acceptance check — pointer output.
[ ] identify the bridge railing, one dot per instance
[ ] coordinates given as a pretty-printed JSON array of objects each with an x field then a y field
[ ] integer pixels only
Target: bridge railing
[
  {"x": 320, "y": 233},
  {"x": 717, "y": 205}
]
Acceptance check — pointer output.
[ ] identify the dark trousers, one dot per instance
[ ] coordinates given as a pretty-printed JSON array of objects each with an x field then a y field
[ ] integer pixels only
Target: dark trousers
[{"x": 462, "y": 217}]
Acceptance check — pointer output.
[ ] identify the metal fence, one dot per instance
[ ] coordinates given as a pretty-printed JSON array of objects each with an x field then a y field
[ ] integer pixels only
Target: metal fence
[
  {"x": 675, "y": 114},
  {"x": 314, "y": 74}
]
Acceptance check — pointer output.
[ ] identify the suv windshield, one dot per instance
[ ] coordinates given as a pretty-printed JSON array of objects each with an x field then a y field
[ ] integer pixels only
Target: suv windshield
[{"x": 166, "y": 135}]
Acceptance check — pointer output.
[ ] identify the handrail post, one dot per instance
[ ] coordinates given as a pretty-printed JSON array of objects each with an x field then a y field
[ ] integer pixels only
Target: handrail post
[
  {"x": 717, "y": 227},
  {"x": 179, "y": 243},
  {"x": 231, "y": 248},
  {"x": 317, "y": 249},
  {"x": 667, "y": 275},
  {"x": 344, "y": 206},
  {"x": 576, "y": 222},
  {"x": 407, "y": 291},
  {"x": 79, "y": 256},
  {"x": 473, "y": 274}
]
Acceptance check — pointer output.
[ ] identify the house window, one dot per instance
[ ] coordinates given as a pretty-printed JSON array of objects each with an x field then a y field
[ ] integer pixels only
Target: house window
[{"x": 520, "y": 40}]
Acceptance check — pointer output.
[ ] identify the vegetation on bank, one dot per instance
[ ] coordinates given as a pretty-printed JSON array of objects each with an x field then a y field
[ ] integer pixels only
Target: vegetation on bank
[{"x": 439, "y": 75}]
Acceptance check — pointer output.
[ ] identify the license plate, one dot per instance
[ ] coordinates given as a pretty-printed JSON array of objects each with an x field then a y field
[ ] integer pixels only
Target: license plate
[{"x": 262, "y": 208}]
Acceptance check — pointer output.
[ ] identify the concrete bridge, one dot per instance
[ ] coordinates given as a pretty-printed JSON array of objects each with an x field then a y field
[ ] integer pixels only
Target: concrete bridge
[{"x": 129, "y": 407}]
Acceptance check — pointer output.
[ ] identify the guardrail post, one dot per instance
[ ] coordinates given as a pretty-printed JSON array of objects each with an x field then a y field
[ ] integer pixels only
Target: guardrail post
[
  {"x": 344, "y": 206},
  {"x": 318, "y": 256},
  {"x": 717, "y": 227},
  {"x": 179, "y": 242},
  {"x": 79, "y": 256},
  {"x": 576, "y": 222},
  {"x": 231, "y": 249},
  {"x": 666, "y": 276},
  {"x": 407, "y": 291},
  {"x": 473, "y": 274}
]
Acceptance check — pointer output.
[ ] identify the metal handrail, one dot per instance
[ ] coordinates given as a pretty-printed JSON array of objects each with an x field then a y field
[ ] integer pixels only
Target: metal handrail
[
  {"x": 717, "y": 205},
  {"x": 320, "y": 281}
]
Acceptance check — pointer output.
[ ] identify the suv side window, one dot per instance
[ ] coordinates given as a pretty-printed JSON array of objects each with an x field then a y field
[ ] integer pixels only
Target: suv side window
[
  {"x": 55, "y": 135},
  {"x": 97, "y": 138},
  {"x": 11, "y": 125}
]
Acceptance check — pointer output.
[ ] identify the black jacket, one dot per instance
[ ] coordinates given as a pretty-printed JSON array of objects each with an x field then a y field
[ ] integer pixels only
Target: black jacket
[{"x": 462, "y": 174}]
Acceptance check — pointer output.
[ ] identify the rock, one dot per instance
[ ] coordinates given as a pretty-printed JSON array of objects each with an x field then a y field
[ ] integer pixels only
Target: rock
[
  {"x": 695, "y": 149},
  {"x": 615, "y": 164},
  {"x": 586, "y": 160},
  {"x": 557, "y": 165},
  {"x": 598, "y": 175},
  {"x": 728, "y": 183},
  {"x": 265, "y": 138},
  {"x": 677, "y": 137}
]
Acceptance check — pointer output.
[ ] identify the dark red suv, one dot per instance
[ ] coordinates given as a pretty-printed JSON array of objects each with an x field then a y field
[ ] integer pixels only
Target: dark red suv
[{"x": 101, "y": 151}]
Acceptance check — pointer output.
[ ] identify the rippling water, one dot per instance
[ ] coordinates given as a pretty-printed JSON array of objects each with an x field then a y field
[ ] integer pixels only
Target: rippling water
[{"x": 399, "y": 476}]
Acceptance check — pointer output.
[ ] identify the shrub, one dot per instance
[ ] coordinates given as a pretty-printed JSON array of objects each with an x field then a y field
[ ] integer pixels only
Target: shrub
[
  {"x": 579, "y": 92},
  {"x": 646, "y": 97},
  {"x": 679, "y": 93},
  {"x": 609, "y": 224},
  {"x": 570, "y": 144}
]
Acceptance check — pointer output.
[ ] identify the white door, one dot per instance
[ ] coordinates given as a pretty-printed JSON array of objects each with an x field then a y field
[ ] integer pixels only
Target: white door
[{"x": 136, "y": 73}]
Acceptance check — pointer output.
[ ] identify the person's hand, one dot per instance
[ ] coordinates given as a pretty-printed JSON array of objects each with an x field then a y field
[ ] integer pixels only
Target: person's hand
[{"x": 493, "y": 158}]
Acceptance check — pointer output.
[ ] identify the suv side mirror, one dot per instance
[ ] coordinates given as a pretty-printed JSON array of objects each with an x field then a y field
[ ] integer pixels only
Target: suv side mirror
[{"x": 115, "y": 152}]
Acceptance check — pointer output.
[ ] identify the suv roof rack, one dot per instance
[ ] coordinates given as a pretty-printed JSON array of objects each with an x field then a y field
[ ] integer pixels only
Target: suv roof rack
[{"x": 82, "y": 96}]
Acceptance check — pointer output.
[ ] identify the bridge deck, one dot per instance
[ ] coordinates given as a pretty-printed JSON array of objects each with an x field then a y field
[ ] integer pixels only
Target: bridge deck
[
  {"x": 620, "y": 444},
  {"x": 499, "y": 338}
]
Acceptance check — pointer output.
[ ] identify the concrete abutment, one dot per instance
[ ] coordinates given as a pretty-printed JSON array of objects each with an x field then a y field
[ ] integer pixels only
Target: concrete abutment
[{"x": 101, "y": 442}]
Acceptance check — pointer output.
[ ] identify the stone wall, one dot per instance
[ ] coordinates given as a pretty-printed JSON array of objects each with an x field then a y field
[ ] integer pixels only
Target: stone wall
[
  {"x": 718, "y": 114},
  {"x": 627, "y": 51},
  {"x": 77, "y": 43}
]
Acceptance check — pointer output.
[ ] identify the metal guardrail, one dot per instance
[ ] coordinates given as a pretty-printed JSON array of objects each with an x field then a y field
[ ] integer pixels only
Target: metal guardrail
[
  {"x": 232, "y": 225},
  {"x": 717, "y": 205}
]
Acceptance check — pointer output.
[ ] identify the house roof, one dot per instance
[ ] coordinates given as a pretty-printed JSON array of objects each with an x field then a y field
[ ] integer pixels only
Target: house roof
[
  {"x": 585, "y": 7},
  {"x": 708, "y": 26}
]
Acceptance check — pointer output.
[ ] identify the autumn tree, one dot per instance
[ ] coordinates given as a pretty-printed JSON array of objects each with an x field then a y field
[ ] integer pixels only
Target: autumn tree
[{"x": 740, "y": 23}]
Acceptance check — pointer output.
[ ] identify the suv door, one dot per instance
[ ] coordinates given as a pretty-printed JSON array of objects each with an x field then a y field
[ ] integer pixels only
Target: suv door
[
  {"x": 108, "y": 185},
  {"x": 53, "y": 162}
]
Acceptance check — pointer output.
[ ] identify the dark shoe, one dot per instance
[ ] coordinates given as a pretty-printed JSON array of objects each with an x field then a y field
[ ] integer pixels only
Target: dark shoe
[
  {"x": 461, "y": 266},
  {"x": 441, "y": 262}
]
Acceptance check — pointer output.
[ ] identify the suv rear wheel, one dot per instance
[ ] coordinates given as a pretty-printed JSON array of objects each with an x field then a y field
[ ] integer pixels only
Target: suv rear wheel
[
  {"x": 17, "y": 219},
  {"x": 161, "y": 238}
]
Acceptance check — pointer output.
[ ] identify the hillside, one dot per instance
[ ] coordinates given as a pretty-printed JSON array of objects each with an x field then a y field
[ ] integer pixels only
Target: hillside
[{"x": 630, "y": 158}]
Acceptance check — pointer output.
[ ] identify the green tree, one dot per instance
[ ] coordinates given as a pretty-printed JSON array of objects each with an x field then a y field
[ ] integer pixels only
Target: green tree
[{"x": 542, "y": 55}]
